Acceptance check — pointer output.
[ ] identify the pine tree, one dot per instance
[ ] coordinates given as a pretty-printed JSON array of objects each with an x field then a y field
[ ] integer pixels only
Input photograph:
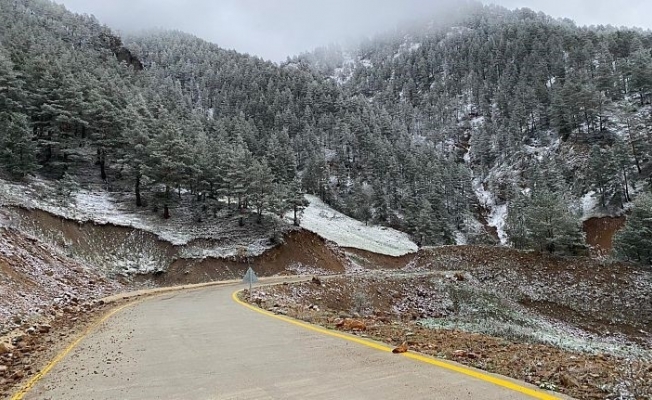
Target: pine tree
[
  {"x": 296, "y": 200},
  {"x": 261, "y": 188},
  {"x": 634, "y": 242},
  {"x": 517, "y": 223},
  {"x": 17, "y": 146},
  {"x": 137, "y": 152},
  {"x": 548, "y": 223}
]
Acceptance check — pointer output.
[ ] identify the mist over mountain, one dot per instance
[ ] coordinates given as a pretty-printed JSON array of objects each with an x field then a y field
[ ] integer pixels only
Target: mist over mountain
[{"x": 276, "y": 30}]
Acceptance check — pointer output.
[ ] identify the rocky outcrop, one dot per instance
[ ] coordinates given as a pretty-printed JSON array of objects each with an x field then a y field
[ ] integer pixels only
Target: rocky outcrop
[{"x": 122, "y": 53}]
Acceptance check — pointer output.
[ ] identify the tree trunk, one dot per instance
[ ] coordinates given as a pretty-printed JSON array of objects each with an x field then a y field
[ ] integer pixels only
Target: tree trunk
[
  {"x": 296, "y": 220},
  {"x": 166, "y": 212},
  {"x": 103, "y": 170},
  {"x": 627, "y": 198},
  {"x": 631, "y": 142},
  {"x": 139, "y": 200}
]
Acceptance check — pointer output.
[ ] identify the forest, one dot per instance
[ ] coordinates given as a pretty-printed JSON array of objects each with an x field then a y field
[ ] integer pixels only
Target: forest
[{"x": 432, "y": 129}]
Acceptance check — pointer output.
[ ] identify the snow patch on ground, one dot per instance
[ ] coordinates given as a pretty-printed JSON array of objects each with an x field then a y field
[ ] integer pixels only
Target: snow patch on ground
[
  {"x": 497, "y": 213},
  {"x": 460, "y": 239},
  {"x": 101, "y": 207},
  {"x": 348, "y": 232},
  {"x": 589, "y": 203},
  {"x": 84, "y": 206}
]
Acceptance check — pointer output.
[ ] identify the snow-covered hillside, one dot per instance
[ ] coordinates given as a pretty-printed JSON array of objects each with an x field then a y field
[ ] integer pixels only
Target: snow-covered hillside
[
  {"x": 218, "y": 237},
  {"x": 348, "y": 232}
]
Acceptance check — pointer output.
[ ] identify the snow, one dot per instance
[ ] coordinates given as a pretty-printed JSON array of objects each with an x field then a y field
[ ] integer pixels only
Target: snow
[
  {"x": 460, "y": 239},
  {"x": 348, "y": 232},
  {"x": 101, "y": 207},
  {"x": 551, "y": 82},
  {"x": 589, "y": 203},
  {"x": 407, "y": 47},
  {"x": 497, "y": 219},
  {"x": 467, "y": 158},
  {"x": 498, "y": 213},
  {"x": 366, "y": 63}
]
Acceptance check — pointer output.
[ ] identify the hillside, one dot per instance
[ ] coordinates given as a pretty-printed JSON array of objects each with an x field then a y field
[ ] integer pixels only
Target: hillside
[
  {"x": 453, "y": 131},
  {"x": 524, "y": 102}
]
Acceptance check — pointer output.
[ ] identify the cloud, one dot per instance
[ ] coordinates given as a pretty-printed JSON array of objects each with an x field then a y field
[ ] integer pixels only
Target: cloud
[{"x": 280, "y": 28}]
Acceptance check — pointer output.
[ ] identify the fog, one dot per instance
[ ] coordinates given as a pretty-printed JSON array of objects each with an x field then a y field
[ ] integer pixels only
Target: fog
[{"x": 275, "y": 29}]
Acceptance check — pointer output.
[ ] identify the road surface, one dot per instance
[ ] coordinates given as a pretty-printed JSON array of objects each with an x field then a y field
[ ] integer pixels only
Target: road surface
[{"x": 203, "y": 345}]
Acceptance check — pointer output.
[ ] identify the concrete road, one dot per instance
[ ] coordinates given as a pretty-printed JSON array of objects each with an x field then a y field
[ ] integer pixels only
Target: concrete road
[{"x": 203, "y": 345}]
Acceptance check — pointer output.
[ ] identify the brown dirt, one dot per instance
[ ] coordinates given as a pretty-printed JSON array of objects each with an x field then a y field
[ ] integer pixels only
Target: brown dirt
[
  {"x": 616, "y": 296},
  {"x": 390, "y": 313},
  {"x": 103, "y": 245},
  {"x": 302, "y": 249},
  {"x": 100, "y": 245},
  {"x": 600, "y": 233},
  {"x": 30, "y": 352},
  {"x": 34, "y": 275},
  {"x": 373, "y": 261}
]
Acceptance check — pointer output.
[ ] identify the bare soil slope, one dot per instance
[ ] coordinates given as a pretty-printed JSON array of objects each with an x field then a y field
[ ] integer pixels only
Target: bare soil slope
[
  {"x": 302, "y": 252},
  {"x": 35, "y": 276}
]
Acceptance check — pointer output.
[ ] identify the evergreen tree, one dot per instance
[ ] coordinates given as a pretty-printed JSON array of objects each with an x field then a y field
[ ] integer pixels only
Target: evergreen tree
[
  {"x": 634, "y": 242},
  {"x": 547, "y": 223},
  {"x": 261, "y": 189},
  {"x": 17, "y": 146}
]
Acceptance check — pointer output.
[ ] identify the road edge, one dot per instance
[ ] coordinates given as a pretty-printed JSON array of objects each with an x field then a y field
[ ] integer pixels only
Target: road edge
[
  {"x": 132, "y": 298},
  {"x": 458, "y": 368}
]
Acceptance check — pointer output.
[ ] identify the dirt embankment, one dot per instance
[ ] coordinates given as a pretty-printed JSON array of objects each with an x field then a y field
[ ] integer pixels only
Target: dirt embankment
[
  {"x": 373, "y": 261},
  {"x": 108, "y": 248},
  {"x": 125, "y": 250},
  {"x": 45, "y": 297},
  {"x": 598, "y": 297},
  {"x": 600, "y": 233},
  {"x": 34, "y": 276},
  {"x": 302, "y": 252}
]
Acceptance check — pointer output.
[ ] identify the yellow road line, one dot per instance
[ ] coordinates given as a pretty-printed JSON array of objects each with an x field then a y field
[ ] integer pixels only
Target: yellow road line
[
  {"x": 537, "y": 394},
  {"x": 32, "y": 382},
  {"x": 126, "y": 296}
]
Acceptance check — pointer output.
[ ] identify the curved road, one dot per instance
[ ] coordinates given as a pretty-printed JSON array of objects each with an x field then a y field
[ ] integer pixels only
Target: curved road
[{"x": 202, "y": 345}]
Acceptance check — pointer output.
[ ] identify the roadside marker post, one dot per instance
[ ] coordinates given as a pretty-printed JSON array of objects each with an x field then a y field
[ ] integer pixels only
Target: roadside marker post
[{"x": 250, "y": 277}]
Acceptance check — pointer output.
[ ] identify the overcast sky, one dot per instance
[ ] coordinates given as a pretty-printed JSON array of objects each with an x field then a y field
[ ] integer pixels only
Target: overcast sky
[{"x": 275, "y": 29}]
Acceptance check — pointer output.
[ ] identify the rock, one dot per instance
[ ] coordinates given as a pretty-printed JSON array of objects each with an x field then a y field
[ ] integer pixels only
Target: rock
[
  {"x": 349, "y": 324},
  {"x": 5, "y": 348},
  {"x": 31, "y": 330},
  {"x": 316, "y": 281},
  {"x": 568, "y": 381},
  {"x": 3, "y": 369},
  {"x": 403, "y": 348},
  {"x": 44, "y": 329}
]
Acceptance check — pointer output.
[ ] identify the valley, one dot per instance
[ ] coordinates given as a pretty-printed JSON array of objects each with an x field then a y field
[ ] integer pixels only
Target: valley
[{"x": 474, "y": 186}]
